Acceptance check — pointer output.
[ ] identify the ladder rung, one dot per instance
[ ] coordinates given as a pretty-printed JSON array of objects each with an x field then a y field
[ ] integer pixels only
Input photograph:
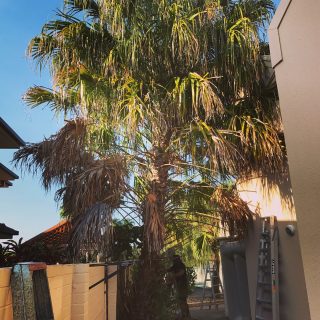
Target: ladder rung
[
  {"x": 265, "y": 271},
  {"x": 264, "y": 301},
  {"x": 268, "y": 251}
]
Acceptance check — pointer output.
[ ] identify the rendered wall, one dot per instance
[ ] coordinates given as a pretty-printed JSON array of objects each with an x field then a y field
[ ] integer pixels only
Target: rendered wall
[
  {"x": 295, "y": 47},
  {"x": 293, "y": 296},
  {"x": 5, "y": 295}
]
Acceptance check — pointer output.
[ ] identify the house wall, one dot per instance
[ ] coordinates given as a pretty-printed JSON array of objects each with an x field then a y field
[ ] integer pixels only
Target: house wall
[
  {"x": 5, "y": 295},
  {"x": 270, "y": 200},
  {"x": 295, "y": 46},
  {"x": 70, "y": 295}
]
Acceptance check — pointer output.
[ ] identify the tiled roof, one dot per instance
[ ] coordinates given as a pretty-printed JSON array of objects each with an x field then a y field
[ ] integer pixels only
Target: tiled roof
[{"x": 57, "y": 235}]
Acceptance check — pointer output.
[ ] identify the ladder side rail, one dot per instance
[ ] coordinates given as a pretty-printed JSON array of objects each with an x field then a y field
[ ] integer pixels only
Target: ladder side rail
[
  {"x": 204, "y": 287},
  {"x": 275, "y": 267},
  {"x": 263, "y": 295}
]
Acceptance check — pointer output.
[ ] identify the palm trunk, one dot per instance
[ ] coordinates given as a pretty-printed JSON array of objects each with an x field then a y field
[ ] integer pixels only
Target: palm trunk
[
  {"x": 154, "y": 209},
  {"x": 151, "y": 293}
]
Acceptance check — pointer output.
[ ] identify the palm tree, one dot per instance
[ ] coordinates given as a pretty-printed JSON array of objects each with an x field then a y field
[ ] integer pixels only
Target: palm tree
[{"x": 173, "y": 92}]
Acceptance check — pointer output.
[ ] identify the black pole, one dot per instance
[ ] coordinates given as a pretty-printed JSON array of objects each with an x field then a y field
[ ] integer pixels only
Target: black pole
[{"x": 107, "y": 289}]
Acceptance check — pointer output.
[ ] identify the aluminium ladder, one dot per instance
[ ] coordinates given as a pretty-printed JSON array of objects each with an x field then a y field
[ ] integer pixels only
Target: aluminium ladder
[
  {"x": 267, "y": 295},
  {"x": 216, "y": 290}
]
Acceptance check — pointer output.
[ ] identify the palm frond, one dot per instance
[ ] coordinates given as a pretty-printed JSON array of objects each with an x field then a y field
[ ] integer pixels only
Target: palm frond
[
  {"x": 99, "y": 181},
  {"x": 92, "y": 230},
  {"x": 234, "y": 212},
  {"x": 38, "y": 95},
  {"x": 57, "y": 157},
  {"x": 91, "y": 7}
]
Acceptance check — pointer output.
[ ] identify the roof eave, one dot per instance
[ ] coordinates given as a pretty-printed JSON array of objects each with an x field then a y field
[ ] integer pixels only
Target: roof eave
[{"x": 12, "y": 134}]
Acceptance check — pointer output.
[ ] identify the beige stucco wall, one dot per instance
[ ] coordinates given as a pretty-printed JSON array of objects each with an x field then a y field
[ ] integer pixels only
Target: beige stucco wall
[
  {"x": 295, "y": 47},
  {"x": 60, "y": 279},
  {"x": 269, "y": 201},
  {"x": 5, "y": 295},
  {"x": 80, "y": 292},
  {"x": 97, "y": 299},
  {"x": 112, "y": 294},
  {"x": 70, "y": 295}
]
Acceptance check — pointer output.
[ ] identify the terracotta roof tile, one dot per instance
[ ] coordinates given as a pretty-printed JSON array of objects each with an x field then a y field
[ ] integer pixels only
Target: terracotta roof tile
[{"x": 57, "y": 235}]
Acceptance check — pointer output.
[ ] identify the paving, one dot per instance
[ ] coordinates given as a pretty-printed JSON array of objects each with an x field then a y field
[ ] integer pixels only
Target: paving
[
  {"x": 204, "y": 314},
  {"x": 212, "y": 314}
]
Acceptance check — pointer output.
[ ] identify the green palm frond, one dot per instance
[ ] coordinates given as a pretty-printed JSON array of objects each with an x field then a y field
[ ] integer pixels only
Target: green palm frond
[
  {"x": 38, "y": 95},
  {"x": 91, "y": 7}
]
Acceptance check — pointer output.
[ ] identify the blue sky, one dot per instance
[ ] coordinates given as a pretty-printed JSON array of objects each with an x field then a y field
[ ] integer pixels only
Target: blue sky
[{"x": 25, "y": 206}]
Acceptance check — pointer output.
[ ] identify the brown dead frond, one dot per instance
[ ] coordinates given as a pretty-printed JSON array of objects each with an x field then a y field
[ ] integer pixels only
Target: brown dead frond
[
  {"x": 92, "y": 230},
  {"x": 235, "y": 213},
  {"x": 58, "y": 156},
  {"x": 100, "y": 181}
]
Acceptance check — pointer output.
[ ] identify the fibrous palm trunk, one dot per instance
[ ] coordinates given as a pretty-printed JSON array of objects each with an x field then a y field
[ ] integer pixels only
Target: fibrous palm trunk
[{"x": 151, "y": 293}]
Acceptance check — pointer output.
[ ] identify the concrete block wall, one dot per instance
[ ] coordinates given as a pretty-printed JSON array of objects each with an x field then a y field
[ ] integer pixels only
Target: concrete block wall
[
  {"x": 5, "y": 295},
  {"x": 60, "y": 278},
  {"x": 80, "y": 292},
  {"x": 70, "y": 295},
  {"x": 112, "y": 294},
  {"x": 97, "y": 301}
]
